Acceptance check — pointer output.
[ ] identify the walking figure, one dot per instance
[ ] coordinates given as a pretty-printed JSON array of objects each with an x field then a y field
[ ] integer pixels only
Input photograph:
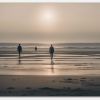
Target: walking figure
[
  {"x": 51, "y": 51},
  {"x": 19, "y": 49}
]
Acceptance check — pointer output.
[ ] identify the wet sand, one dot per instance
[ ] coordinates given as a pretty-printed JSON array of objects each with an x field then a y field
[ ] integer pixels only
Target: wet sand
[
  {"x": 75, "y": 71},
  {"x": 63, "y": 85}
]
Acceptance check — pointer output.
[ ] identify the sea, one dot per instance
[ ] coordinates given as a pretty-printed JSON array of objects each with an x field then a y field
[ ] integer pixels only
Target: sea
[{"x": 69, "y": 59}]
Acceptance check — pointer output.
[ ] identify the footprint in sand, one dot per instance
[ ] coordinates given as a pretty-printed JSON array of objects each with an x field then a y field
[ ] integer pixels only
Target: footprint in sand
[
  {"x": 28, "y": 88},
  {"x": 10, "y": 88},
  {"x": 83, "y": 79},
  {"x": 70, "y": 80}
]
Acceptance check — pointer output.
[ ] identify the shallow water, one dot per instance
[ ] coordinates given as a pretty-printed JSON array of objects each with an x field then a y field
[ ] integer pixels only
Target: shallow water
[{"x": 69, "y": 59}]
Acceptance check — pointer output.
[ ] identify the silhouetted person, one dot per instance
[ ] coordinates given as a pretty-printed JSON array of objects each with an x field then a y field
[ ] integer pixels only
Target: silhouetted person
[
  {"x": 51, "y": 51},
  {"x": 19, "y": 49},
  {"x": 35, "y": 48}
]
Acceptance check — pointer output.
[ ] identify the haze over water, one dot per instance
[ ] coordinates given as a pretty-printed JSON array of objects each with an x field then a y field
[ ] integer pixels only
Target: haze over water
[{"x": 50, "y": 22}]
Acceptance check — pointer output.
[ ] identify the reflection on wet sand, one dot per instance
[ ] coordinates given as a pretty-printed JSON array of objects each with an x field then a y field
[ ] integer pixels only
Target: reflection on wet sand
[
  {"x": 52, "y": 66},
  {"x": 19, "y": 61},
  {"x": 39, "y": 63}
]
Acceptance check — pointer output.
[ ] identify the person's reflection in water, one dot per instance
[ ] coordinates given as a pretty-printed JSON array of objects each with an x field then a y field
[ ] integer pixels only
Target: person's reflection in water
[
  {"x": 52, "y": 66},
  {"x": 19, "y": 61}
]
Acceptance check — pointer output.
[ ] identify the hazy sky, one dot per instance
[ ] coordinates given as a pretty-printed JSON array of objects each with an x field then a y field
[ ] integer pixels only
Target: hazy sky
[{"x": 48, "y": 22}]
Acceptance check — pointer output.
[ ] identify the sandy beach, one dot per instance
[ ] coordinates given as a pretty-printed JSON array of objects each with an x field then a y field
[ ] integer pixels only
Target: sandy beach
[
  {"x": 74, "y": 71},
  {"x": 26, "y": 85}
]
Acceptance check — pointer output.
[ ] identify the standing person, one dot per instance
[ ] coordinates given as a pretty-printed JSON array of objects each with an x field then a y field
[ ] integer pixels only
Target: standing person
[
  {"x": 35, "y": 48},
  {"x": 19, "y": 49},
  {"x": 51, "y": 51}
]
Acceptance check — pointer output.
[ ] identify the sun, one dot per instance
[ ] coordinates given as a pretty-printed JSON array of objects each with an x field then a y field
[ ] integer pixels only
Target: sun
[
  {"x": 46, "y": 20},
  {"x": 48, "y": 16}
]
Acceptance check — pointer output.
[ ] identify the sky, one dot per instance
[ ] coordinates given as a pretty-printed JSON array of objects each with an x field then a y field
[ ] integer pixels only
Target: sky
[{"x": 50, "y": 22}]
